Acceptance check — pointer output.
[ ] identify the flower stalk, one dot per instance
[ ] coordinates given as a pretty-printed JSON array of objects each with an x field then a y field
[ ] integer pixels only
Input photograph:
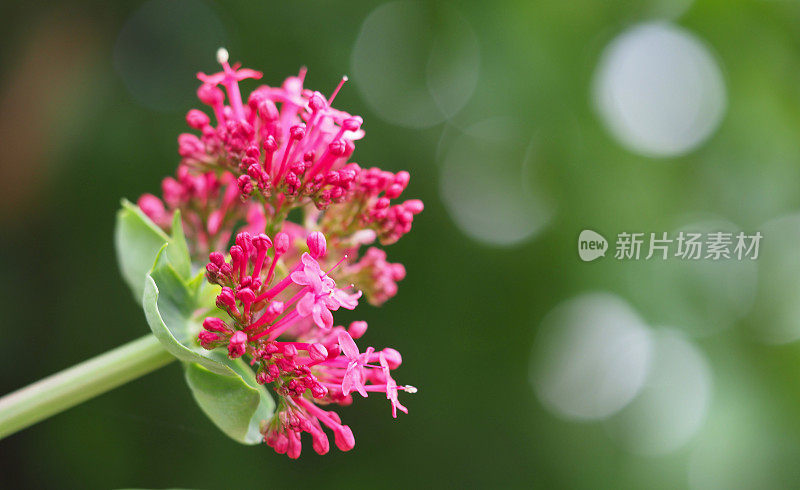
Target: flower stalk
[{"x": 74, "y": 385}]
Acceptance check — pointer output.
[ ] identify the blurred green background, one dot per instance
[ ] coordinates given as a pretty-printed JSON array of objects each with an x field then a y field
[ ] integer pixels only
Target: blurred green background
[{"x": 522, "y": 123}]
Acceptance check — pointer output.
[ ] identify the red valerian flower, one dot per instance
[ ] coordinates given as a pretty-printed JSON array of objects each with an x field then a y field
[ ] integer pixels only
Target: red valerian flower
[{"x": 242, "y": 170}]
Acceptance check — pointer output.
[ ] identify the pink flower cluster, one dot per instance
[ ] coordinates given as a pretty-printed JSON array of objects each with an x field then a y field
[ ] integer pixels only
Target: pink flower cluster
[
  {"x": 318, "y": 363},
  {"x": 240, "y": 175},
  {"x": 288, "y": 147}
]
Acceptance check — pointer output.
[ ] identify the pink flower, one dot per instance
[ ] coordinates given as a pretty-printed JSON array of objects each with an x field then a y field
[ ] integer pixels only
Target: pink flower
[
  {"x": 258, "y": 303},
  {"x": 241, "y": 173},
  {"x": 296, "y": 153},
  {"x": 353, "y": 376},
  {"x": 312, "y": 275},
  {"x": 317, "y": 308},
  {"x": 323, "y": 296},
  {"x": 391, "y": 387},
  {"x": 229, "y": 78},
  {"x": 321, "y": 364}
]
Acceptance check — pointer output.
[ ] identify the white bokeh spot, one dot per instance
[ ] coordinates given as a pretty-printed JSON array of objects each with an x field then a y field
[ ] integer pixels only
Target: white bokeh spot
[
  {"x": 590, "y": 358},
  {"x": 673, "y": 403},
  {"x": 659, "y": 90},
  {"x": 411, "y": 72},
  {"x": 485, "y": 187}
]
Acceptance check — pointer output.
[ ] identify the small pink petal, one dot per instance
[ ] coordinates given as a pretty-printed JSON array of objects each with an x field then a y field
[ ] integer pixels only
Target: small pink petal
[
  {"x": 300, "y": 277},
  {"x": 348, "y": 346},
  {"x": 305, "y": 306}
]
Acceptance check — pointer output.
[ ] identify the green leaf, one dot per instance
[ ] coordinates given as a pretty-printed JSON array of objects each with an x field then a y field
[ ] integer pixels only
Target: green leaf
[
  {"x": 236, "y": 408},
  {"x": 179, "y": 251},
  {"x": 138, "y": 240},
  {"x": 225, "y": 389},
  {"x": 169, "y": 304}
]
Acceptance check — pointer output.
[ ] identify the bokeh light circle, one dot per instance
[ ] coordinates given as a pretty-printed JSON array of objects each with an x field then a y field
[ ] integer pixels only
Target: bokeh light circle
[
  {"x": 483, "y": 186},
  {"x": 413, "y": 68},
  {"x": 590, "y": 358},
  {"x": 673, "y": 403},
  {"x": 160, "y": 48},
  {"x": 659, "y": 90}
]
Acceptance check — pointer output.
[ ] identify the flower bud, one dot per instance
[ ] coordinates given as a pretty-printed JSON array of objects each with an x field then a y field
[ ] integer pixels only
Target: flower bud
[
  {"x": 210, "y": 94},
  {"x": 189, "y": 145},
  {"x": 237, "y": 254},
  {"x": 275, "y": 308},
  {"x": 207, "y": 338},
  {"x": 318, "y": 391},
  {"x": 237, "y": 345},
  {"x": 414, "y": 206},
  {"x": 281, "y": 243},
  {"x": 320, "y": 442},
  {"x": 197, "y": 119},
  {"x": 246, "y": 296},
  {"x": 245, "y": 185},
  {"x": 270, "y": 145},
  {"x": 244, "y": 240},
  {"x": 281, "y": 443},
  {"x": 352, "y": 123},
  {"x": 317, "y": 352},
  {"x": 393, "y": 358},
  {"x": 337, "y": 148},
  {"x": 401, "y": 178},
  {"x": 215, "y": 325},
  {"x": 289, "y": 350},
  {"x": 226, "y": 300},
  {"x": 357, "y": 329},
  {"x": 344, "y": 438},
  {"x": 263, "y": 377},
  {"x": 268, "y": 111},
  {"x": 153, "y": 208},
  {"x": 317, "y": 102},
  {"x": 394, "y": 191},
  {"x": 262, "y": 242},
  {"x": 293, "y": 451},
  {"x": 297, "y": 132},
  {"x": 317, "y": 246},
  {"x": 216, "y": 258}
]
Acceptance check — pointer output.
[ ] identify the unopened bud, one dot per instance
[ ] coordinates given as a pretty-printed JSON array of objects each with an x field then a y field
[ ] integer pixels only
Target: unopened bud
[
  {"x": 318, "y": 352},
  {"x": 237, "y": 345},
  {"x": 215, "y": 325},
  {"x": 317, "y": 245},
  {"x": 357, "y": 329},
  {"x": 281, "y": 243}
]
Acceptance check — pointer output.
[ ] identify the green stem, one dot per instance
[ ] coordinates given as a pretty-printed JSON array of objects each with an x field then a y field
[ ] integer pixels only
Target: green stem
[{"x": 79, "y": 383}]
